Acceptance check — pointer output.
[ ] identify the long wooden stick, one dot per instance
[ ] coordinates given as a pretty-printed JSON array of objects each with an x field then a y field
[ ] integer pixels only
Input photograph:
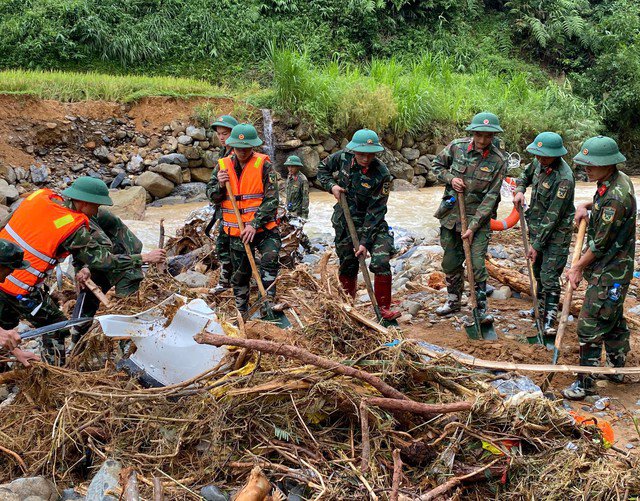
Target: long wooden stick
[
  {"x": 247, "y": 247},
  {"x": 304, "y": 356},
  {"x": 366, "y": 446},
  {"x": 97, "y": 292},
  {"x": 533, "y": 286},
  {"x": 467, "y": 254},
  {"x": 161, "y": 266},
  {"x": 361, "y": 259},
  {"x": 397, "y": 475},
  {"x": 568, "y": 295},
  {"x": 418, "y": 407}
]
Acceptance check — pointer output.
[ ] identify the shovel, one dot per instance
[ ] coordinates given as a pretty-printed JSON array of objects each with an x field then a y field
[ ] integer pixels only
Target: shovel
[
  {"x": 361, "y": 259},
  {"x": 539, "y": 338},
  {"x": 476, "y": 330},
  {"x": 276, "y": 317},
  {"x": 58, "y": 326}
]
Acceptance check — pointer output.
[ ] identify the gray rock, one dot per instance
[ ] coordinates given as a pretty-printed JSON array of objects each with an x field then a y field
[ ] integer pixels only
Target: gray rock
[
  {"x": 192, "y": 153},
  {"x": 106, "y": 479},
  {"x": 213, "y": 493},
  {"x": 134, "y": 166},
  {"x": 142, "y": 141},
  {"x": 503, "y": 292},
  {"x": 130, "y": 203},
  {"x": 193, "y": 279},
  {"x": 171, "y": 171},
  {"x": 209, "y": 159},
  {"x": 402, "y": 185},
  {"x": 405, "y": 318},
  {"x": 185, "y": 140},
  {"x": 174, "y": 158},
  {"x": 4, "y": 211},
  {"x": 8, "y": 193},
  {"x": 8, "y": 174},
  {"x": 21, "y": 173},
  {"x": 498, "y": 252},
  {"x": 201, "y": 174},
  {"x": 310, "y": 158},
  {"x": 102, "y": 153},
  {"x": 7, "y": 495},
  {"x": 40, "y": 174},
  {"x": 121, "y": 134},
  {"x": 291, "y": 144},
  {"x": 410, "y": 153},
  {"x": 425, "y": 162},
  {"x": 170, "y": 200},
  {"x": 77, "y": 167},
  {"x": 329, "y": 144},
  {"x": 38, "y": 487},
  {"x": 412, "y": 307},
  {"x": 431, "y": 178},
  {"x": 197, "y": 133},
  {"x": 118, "y": 180},
  {"x": 155, "y": 184},
  {"x": 419, "y": 181},
  {"x": 193, "y": 192},
  {"x": 71, "y": 495}
]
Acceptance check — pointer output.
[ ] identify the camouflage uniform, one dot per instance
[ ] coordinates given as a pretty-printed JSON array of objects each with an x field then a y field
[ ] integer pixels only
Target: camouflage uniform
[
  {"x": 367, "y": 195},
  {"x": 223, "y": 243},
  {"x": 267, "y": 242},
  {"x": 550, "y": 221},
  {"x": 482, "y": 174},
  {"x": 297, "y": 195},
  {"x": 611, "y": 236}
]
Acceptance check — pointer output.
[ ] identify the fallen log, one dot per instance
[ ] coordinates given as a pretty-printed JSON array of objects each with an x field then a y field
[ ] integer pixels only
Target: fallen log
[
  {"x": 418, "y": 407},
  {"x": 453, "y": 483},
  {"x": 304, "y": 356}
]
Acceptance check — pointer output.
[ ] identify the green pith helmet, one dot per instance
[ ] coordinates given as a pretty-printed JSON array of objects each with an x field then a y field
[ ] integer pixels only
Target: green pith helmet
[
  {"x": 225, "y": 121},
  {"x": 294, "y": 161},
  {"x": 244, "y": 136},
  {"x": 485, "y": 122},
  {"x": 599, "y": 151},
  {"x": 547, "y": 144},
  {"x": 12, "y": 256},
  {"x": 365, "y": 141},
  {"x": 89, "y": 189}
]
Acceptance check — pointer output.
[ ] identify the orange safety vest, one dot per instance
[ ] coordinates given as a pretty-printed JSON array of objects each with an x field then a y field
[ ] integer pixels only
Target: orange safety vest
[
  {"x": 249, "y": 193},
  {"x": 39, "y": 225}
]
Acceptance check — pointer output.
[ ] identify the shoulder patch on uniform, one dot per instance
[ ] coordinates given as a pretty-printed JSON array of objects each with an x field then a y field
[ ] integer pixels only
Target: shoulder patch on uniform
[
  {"x": 485, "y": 169},
  {"x": 608, "y": 213},
  {"x": 562, "y": 192},
  {"x": 386, "y": 187},
  {"x": 366, "y": 185},
  {"x": 546, "y": 185},
  {"x": 273, "y": 177}
]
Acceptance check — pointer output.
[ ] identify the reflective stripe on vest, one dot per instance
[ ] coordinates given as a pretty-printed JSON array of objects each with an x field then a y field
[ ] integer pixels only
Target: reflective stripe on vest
[
  {"x": 248, "y": 191},
  {"x": 39, "y": 226}
]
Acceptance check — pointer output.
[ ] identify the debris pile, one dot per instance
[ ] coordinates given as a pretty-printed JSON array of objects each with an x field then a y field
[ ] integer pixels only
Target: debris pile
[{"x": 337, "y": 407}]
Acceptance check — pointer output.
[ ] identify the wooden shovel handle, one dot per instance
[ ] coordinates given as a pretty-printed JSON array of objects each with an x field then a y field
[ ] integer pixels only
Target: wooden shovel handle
[
  {"x": 97, "y": 292},
  {"x": 568, "y": 295},
  {"x": 247, "y": 247},
  {"x": 467, "y": 251}
]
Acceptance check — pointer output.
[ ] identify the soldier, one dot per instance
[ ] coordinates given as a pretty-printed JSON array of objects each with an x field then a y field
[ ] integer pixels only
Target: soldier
[
  {"x": 48, "y": 228},
  {"x": 255, "y": 187},
  {"x": 222, "y": 127},
  {"x": 607, "y": 265},
  {"x": 473, "y": 167},
  {"x": 11, "y": 259},
  {"x": 296, "y": 189},
  {"x": 366, "y": 182},
  {"x": 550, "y": 220}
]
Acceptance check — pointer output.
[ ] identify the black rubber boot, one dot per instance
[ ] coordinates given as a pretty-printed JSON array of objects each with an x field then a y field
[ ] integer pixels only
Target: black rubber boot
[{"x": 481, "y": 299}]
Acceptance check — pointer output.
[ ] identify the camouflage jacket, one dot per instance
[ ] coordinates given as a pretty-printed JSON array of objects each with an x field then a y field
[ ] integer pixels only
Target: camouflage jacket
[
  {"x": 223, "y": 151},
  {"x": 269, "y": 206},
  {"x": 550, "y": 215},
  {"x": 611, "y": 235},
  {"x": 297, "y": 195},
  {"x": 482, "y": 173},
  {"x": 367, "y": 193}
]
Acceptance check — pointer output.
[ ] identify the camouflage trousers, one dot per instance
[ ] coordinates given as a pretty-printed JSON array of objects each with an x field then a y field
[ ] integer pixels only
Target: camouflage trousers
[
  {"x": 381, "y": 251},
  {"x": 602, "y": 321},
  {"x": 223, "y": 251},
  {"x": 453, "y": 259},
  {"x": 267, "y": 243},
  {"x": 548, "y": 267}
]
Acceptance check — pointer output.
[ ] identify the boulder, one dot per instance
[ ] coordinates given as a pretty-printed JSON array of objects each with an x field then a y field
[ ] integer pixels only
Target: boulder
[
  {"x": 402, "y": 170},
  {"x": 31, "y": 487},
  {"x": 402, "y": 185},
  {"x": 503, "y": 292},
  {"x": 193, "y": 279},
  {"x": 171, "y": 171},
  {"x": 170, "y": 200},
  {"x": 130, "y": 203},
  {"x": 192, "y": 153},
  {"x": 134, "y": 166},
  {"x": 410, "y": 153},
  {"x": 310, "y": 159},
  {"x": 209, "y": 159},
  {"x": 193, "y": 192},
  {"x": 201, "y": 174},
  {"x": 185, "y": 140},
  {"x": 304, "y": 130},
  {"x": 197, "y": 133},
  {"x": 412, "y": 307},
  {"x": 425, "y": 162},
  {"x": 171, "y": 144},
  {"x": 4, "y": 211},
  {"x": 291, "y": 144},
  {"x": 21, "y": 173},
  {"x": 8, "y": 193},
  {"x": 8, "y": 174},
  {"x": 39, "y": 174},
  {"x": 102, "y": 154},
  {"x": 430, "y": 178},
  {"x": 329, "y": 144},
  {"x": 419, "y": 181},
  {"x": 155, "y": 184},
  {"x": 107, "y": 479},
  {"x": 174, "y": 158},
  {"x": 186, "y": 175}
]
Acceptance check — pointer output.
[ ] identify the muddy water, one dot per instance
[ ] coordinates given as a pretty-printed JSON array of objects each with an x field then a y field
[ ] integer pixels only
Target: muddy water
[{"x": 411, "y": 210}]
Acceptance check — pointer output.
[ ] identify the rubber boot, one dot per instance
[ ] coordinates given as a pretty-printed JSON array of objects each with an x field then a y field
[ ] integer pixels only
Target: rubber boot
[
  {"x": 550, "y": 314},
  {"x": 481, "y": 299},
  {"x": 454, "y": 289},
  {"x": 382, "y": 290},
  {"x": 583, "y": 386},
  {"x": 349, "y": 284},
  {"x": 617, "y": 360},
  {"x": 224, "y": 281}
]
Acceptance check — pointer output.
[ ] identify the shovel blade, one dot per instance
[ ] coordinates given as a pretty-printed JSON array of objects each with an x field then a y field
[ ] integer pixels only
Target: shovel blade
[
  {"x": 275, "y": 317},
  {"x": 488, "y": 332},
  {"x": 473, "y": 332}
]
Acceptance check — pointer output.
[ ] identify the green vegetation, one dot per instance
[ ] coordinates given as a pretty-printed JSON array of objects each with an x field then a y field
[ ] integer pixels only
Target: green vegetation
[{"x": 408, "y": 64}]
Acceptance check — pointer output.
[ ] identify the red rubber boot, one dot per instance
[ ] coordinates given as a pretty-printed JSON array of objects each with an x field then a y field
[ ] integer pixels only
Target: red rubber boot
[
  {"x": 349, "y": 284},
  {"x": 382, "y": 288}
]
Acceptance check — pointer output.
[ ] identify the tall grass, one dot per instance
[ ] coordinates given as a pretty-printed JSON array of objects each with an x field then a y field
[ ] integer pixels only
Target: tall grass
[
  {"x": 68, "y": 86},
  {"x": 425, "y": 94}
]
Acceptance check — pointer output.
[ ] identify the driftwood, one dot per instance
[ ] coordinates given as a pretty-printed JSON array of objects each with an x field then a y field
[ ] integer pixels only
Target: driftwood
[
  {"x": 366, "y": 446},
  {"x": 453, "y": 483},
  {"x": 397, "y": 474},
  {"x": 158, "y": 489},
  {"x": 418, "y": 407}
]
